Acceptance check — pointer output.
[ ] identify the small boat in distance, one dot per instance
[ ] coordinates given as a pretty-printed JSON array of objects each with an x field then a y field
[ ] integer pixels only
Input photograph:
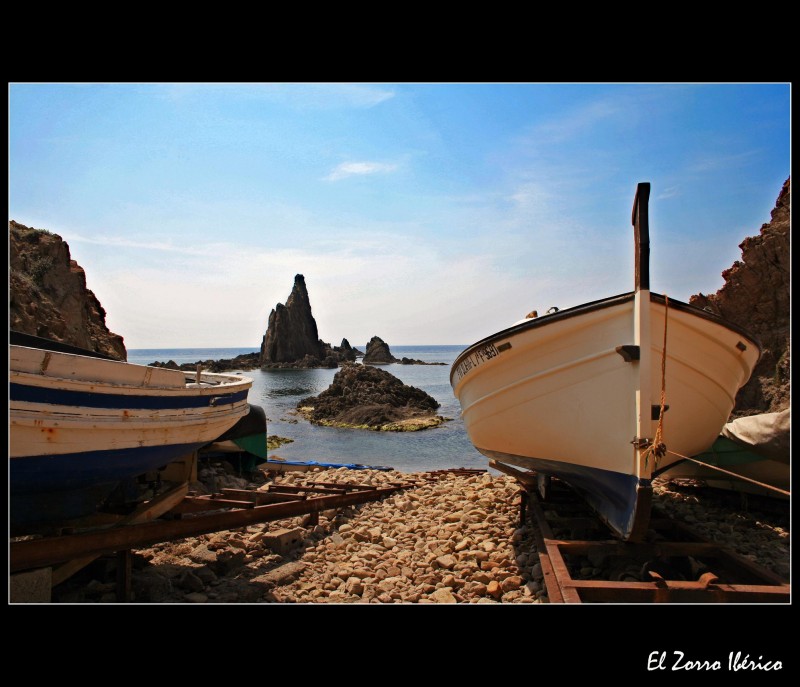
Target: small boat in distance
[
  {"x": 577, "y": 393},
  {"x": 81, "y": 423}
]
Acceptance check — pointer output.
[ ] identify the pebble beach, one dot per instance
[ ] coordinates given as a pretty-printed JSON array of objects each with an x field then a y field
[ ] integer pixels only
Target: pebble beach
[{"x": 454, "y": 539}]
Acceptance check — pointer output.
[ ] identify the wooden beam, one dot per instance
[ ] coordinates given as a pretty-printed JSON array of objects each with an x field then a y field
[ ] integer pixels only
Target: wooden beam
[
  {"x": 641, "y": 233},
  {"x": 145, "y": 512},
  {"x": 42, "y": 552}
]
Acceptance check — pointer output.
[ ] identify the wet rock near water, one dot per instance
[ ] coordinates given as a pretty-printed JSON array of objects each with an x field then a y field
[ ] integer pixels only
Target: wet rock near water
[
  {"x": 378, "y": 352},
  {"x": 274, "y": 441},
  {"x": 365, "y": 397},
  {"x": 245, "y": 361},
  {"x": 414, "y": 361}
]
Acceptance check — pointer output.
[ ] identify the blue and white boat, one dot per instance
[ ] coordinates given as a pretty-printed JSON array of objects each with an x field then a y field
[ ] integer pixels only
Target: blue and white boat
[
  {"x": 577, "y": 393},
  {"x": 80, "y": 425}
]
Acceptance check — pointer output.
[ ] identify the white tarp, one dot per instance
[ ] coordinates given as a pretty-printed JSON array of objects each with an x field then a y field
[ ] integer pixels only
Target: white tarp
[{"x": 766, "y": 434}]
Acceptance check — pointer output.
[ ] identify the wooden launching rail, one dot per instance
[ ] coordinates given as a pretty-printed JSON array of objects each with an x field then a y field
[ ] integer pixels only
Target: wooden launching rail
[
  {"x": 722, "y": 575},
  {"x": 177, "y": 514},
  {"x": 433, "y": 475},
  {"x": 193, "y": 516}
]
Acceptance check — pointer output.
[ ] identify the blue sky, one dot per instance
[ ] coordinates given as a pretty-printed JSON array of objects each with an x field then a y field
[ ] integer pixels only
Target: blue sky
[{"x": 420, "y": 213}]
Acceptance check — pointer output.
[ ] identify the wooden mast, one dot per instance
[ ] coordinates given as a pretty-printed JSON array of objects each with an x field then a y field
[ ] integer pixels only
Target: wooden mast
[
  {"x": 641, "y": 235},
  {"x": 643, "y": 466}
]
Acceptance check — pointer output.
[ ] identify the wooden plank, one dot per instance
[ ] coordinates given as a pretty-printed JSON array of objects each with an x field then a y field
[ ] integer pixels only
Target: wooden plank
[
  {"x": 216, "y": 502},
  {"x": 42, "y": 552},
  {"x": 289, "y": 489},
  {"x": 526, "y": 478},
  {"x": 640, "y": 550},
  {"x": 740, "y": 563},
  {"x": 183, "y": 469},
  {"x": 562, "y": 575},
  {"x": 347, "y": 485},
  {"x": 550, "y": 579},
  {"x": 124, "y": 560},
  {"x": 145, "y": 512}
]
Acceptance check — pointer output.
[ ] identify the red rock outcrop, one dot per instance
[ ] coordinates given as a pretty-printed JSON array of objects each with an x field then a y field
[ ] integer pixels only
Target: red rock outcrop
[
  {"x": 756, "y": 297},
  {"x": 48, "y": 295}
]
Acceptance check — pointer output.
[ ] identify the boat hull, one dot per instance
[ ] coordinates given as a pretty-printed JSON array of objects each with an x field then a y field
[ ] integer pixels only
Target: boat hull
[
  {"x": 560, "y": 395},
  {"x": 80, "y": 426}
]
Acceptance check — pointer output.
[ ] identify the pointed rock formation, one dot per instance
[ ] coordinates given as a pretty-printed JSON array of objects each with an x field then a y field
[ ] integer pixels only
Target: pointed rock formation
[
  {"x": 48, "y": 295},
  {"x": 292, "y": 331},
  {"x": 378, "y": 352},
  {"x": 756, "y": 297}
]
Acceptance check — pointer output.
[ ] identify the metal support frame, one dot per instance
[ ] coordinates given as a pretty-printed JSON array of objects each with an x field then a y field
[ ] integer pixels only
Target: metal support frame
[{"x": 754, "y": 584}]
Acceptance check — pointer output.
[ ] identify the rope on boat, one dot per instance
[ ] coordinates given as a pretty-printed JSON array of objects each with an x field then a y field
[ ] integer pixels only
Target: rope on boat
[
  {"x": 732, "y": 474},
  {"x": 658, "y": 448}
]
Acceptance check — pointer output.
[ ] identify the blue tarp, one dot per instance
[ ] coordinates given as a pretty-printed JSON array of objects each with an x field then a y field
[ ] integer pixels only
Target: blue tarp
[{"x": 314, "y": 463}]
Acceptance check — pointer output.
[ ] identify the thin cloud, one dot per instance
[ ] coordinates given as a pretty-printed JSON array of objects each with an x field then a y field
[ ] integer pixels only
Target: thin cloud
[
  {"x": 530, "y": 195},
  {"x": 670, "y": 192},
  {"x": 576, "y": 122},
  {"x": 714, "y": 163},
  {"x": 125, "y": 243},
  {"x": 349, "y": 169},
  {"x": 296, "y": 95}
]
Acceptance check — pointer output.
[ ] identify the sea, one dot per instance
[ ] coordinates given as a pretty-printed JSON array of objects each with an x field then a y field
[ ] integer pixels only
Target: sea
[{"x": 278, "y": 392}]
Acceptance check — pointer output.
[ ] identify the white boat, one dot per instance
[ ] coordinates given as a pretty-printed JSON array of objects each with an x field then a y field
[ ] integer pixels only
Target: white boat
[
  {"x": 79, "y": 425},
  {"x": 577, "y": 393}
]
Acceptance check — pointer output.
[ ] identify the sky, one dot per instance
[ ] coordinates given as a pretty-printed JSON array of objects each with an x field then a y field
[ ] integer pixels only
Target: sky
[{"x": 423, "y": 213}]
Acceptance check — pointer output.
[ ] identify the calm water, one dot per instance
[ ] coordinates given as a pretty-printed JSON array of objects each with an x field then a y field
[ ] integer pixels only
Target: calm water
[{"x": 278, "y": 392}]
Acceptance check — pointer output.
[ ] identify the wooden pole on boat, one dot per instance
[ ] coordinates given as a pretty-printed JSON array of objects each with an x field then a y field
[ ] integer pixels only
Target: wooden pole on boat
[
  {"x": 641, "y": 235},
  {"x": 644, "y": 421}
]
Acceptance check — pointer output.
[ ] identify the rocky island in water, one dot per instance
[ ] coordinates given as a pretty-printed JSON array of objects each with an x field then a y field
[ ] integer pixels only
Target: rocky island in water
[{"x": 365, "y": 397}]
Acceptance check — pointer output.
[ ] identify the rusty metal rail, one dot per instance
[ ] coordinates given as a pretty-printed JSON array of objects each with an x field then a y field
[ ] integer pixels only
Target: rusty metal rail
[
  {"x": 196, "y": 515},
  {"x": 728, "y": 577},
  {"x": 459, "y": 472}
]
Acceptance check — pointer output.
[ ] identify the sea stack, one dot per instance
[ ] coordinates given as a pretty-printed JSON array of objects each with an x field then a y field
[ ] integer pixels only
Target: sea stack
[
  {"x": 378, "y": 352},
  {"x": 346, "y": 351},
  {"x": 291, "y": 330}
]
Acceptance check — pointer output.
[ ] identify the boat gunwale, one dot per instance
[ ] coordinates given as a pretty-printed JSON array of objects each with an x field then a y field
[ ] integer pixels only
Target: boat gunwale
[
  {"x": 212, "y": 383},
  {"x": 600, "y": 304}
]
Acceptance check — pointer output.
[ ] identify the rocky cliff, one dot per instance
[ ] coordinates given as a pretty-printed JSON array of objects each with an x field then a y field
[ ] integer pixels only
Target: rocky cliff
[
  {"x": 48, "y": 295},
  {"x": 755, "y": 296},
  {"x": 291, "y": 330}
]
